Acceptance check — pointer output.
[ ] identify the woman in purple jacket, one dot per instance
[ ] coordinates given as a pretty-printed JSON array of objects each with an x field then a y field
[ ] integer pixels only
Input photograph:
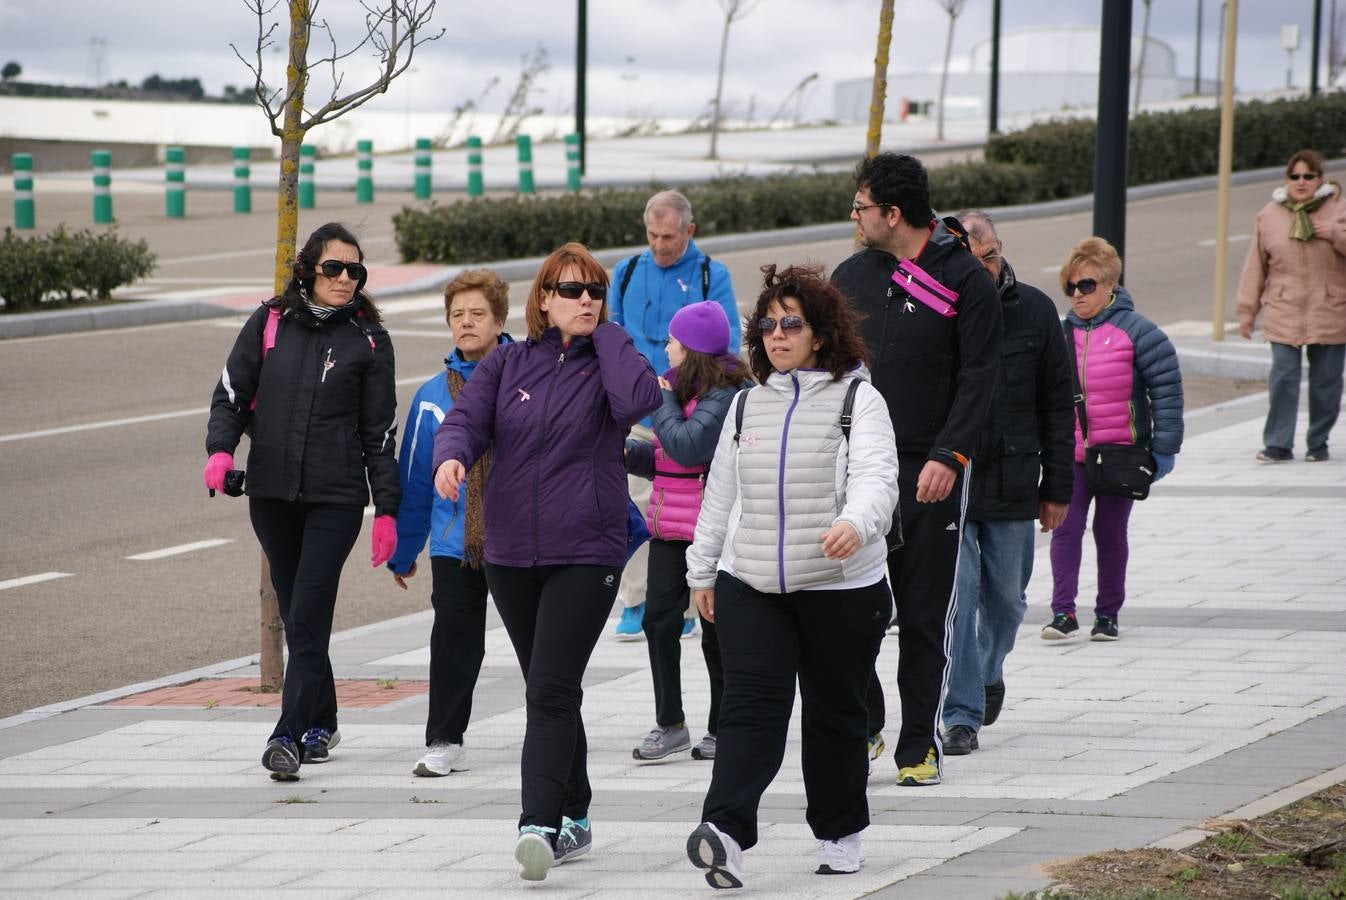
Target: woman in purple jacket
[{"x": 555, "y": 410}]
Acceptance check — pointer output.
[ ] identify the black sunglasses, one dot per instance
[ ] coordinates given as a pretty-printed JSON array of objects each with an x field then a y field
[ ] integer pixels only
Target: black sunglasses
[
  {"x": 790, "y": 325},
  {"x": 1086, "y": 286},
  {"x": 1304, "y": 176},
  {"x": 573, "y": 290},
  {"x": 332, "y": 268}
]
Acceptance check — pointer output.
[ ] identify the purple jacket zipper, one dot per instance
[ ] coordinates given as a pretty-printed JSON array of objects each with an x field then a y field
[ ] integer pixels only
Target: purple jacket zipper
[{"x": 780, "y": 484}]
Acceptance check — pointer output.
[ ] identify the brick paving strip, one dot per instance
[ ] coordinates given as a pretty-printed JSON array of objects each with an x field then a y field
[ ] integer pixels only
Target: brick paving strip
[{"x": 352, "y": 693}]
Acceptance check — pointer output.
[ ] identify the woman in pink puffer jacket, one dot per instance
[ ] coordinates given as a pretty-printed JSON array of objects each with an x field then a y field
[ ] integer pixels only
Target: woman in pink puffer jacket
[{"x": 698, "y": 392}]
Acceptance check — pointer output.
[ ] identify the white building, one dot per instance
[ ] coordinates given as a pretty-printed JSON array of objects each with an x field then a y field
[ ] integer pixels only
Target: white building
[{"x": 1042, "y": 70}]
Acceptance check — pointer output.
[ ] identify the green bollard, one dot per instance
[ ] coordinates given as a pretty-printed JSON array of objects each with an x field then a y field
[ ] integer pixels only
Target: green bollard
[
  {"x": 102, "y": 187},
  {"x": 364, "y": 180},
  {"x": 422, "y": 168},
  {"x": 242, "y": 181},
  {"x": 175, "y": 183},
  {"x": 307, "y": 193},
  {"x": 525, "y": 164},
  {"x": 25, "y": 213},
  {"x": 572, "y": 162},
  {"x": 475, "y": 188}
]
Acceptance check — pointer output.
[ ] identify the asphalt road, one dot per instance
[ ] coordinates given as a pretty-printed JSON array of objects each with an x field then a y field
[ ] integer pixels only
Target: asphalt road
[{"x": 82, "y": 494}]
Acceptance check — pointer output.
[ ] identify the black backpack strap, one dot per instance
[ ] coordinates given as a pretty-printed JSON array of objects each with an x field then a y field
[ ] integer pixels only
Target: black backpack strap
[
  {"x": 705, "y": 278},
  {"x": 1075, "y": 385},
  {"x": 626, "y": 275},
  {"x": 847, "y": 406},
  {"x": 739, "y": 403}
]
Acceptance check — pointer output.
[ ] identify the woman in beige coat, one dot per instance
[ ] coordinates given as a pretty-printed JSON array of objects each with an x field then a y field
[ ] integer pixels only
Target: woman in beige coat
[{"x": 1296, "y": 273}]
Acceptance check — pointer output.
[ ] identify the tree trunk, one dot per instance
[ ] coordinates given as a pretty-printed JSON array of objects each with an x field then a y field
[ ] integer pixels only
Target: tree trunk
[
  {"x": 719, "y": 81},
  {"x": 944, "y": 76},
  {"x": 272, "y": 659},
  {"x": 1140, "y": 64},
  {"x": 878, "y": 95}
]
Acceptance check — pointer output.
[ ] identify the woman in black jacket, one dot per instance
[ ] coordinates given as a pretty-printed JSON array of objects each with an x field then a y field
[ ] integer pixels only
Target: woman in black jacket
[{"x": 310, "y": 379}]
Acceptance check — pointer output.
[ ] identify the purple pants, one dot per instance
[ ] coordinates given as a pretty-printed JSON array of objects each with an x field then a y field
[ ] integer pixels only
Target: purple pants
[{"x": 1110, "y": 517}]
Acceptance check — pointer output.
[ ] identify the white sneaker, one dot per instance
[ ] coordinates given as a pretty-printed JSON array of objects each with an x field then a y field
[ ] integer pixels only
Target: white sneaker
[
  {"x": 441, "y": 759},
  {"x": 711, "y": 849},
  {"x": 839, "y": 857}
]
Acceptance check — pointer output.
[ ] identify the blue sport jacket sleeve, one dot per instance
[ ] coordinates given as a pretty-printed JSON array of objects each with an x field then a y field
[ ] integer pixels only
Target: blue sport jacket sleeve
[
  {"x": 616, "y": 304},
  {"x": 414, "y": 468}
]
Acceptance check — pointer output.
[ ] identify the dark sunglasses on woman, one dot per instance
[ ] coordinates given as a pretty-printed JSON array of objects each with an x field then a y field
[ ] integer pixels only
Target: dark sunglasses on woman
[
  {"x": 1303, "y": 176},
  {"x": 572, "y": 290},
  {"x": 790, "y": 325},
  {"x": 332, "y": 269},
  {"x": 1086, "y": 285}
]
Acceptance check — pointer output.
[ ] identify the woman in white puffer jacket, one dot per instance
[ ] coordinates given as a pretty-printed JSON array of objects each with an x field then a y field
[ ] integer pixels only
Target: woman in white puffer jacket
[{"x": 789, "y": 561}]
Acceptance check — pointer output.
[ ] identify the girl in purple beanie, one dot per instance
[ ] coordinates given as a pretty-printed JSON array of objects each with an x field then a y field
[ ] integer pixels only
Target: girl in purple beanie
[{"x": 697, "y": 393}]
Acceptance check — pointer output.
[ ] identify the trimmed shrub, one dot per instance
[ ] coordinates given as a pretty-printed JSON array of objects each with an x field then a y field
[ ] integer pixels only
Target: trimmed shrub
[{"x": 63, "y": 265}]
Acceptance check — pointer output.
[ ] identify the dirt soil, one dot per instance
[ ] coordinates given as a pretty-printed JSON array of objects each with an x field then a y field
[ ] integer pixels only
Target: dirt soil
[
  {"x": 1205, "y": 390},
  {"x": 1298, "y": 851}
]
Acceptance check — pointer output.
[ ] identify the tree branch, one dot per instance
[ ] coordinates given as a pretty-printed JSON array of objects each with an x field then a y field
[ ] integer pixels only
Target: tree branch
[{"x": 263, "y": 41}]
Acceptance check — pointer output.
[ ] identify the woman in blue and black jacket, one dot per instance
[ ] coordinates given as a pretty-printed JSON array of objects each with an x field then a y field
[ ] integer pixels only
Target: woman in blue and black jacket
[{"x": 476, "y": 305}]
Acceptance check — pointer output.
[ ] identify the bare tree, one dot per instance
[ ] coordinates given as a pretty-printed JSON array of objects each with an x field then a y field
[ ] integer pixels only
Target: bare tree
[
  {"x": 393, "y": 29},
  {"x": 532, "y": 65},
  {"x": 879, "y": 94},
  {"x": 1140, "y": 64},
  {"x": 954, "y": 9},
  {"x": 733, "y": 11}
]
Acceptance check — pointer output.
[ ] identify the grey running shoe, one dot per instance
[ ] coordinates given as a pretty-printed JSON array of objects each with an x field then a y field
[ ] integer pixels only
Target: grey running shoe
[
  {"x": 663, "y": 742},
  {"x": 705, "y": 749},
  {"x": 574, "y": 839}
]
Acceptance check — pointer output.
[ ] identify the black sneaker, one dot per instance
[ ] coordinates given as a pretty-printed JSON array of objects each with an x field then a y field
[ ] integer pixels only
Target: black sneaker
[
  {"x": 281, "y": 758},
  {"x": 1274, "y": 455},
  {"x": 959, "y": 741},
  {"x": 995, "y": 699},
  {"x": 318, "y": 743},
  {"x": 1319, "y": 455},
  {"x": 1105, "y": 629},
  {"x": 1062, "y": 626}
]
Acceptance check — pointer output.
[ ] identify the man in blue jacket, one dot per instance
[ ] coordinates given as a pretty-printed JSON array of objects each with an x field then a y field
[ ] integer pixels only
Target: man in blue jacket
[{"x": 646, "y": 291}]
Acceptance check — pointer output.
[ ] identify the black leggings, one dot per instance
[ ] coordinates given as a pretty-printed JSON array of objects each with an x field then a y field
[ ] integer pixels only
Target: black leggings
[
  {"x": 306, "y": 545},
  {"x": 666, "y": 599},
  {"x": 554, "y": 616},
  {"x": 457, "y": 646}
]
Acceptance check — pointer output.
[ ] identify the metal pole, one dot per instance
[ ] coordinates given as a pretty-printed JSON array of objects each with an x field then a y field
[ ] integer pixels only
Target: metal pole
[
  {"x": 994, "y": 124},
  {"x": 1226, "y": 165},
  {"x": 25, "y": 213},
  {"x": 423, "y": 168},
  {"x": 581, "y": 75},
  {"x": 1110, "y": 147},
  {"x": 175, "y": 182},
  {"x": 1196, "y": 87},
  {"x": 1219, "y": 46},
  {"x": 1316, "y": 53},
  {"x": 102, "y": 187}
]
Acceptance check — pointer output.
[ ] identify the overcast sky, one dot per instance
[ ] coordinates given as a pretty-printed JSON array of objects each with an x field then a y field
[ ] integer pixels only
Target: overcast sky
[{"x": 646, "y": 57}]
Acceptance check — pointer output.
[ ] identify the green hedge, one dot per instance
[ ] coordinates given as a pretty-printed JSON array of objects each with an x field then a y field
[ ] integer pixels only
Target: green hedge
[
  {"x": 1042, "y": 162},
  {"x": 68, "y": 266}
]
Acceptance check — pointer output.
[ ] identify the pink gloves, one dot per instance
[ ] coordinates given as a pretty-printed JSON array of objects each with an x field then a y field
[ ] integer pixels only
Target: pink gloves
[
  {"x": 216, "y": 467},
  {"x": 383, "y": 541}
]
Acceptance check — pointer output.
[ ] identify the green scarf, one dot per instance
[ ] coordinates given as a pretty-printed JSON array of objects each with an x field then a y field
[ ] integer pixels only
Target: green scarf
[{"x": 1301, "y": 229}]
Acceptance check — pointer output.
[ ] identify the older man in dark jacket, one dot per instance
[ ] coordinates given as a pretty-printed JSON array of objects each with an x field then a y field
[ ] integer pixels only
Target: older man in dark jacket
[{"x": 1023, "y": 473}]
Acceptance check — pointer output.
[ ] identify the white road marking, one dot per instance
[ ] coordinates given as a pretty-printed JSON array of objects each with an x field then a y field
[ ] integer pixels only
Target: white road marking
[
  {"x": 181, "y": 548},
  {"x": 33, "y": 579},
  {"x": 90, "y": 426},
  {"x": 1232, "y": 239}
]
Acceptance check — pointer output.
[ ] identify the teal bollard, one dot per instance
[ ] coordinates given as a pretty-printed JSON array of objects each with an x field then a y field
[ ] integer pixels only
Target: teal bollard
[
  {"x": 525, "y": 144},
  {"x": 242, "y": 180},
  {"x": 572, "y": 162},
  {"x": 475, "y": 187},
  {"x": 364, "y": 181},
  {"x": 175, "y": 182},
  {"x": 423, "y": 168},
  {"x": 307, "y": 191},
  {"x": 25, "y": 212},
  {"x": 102, "y": 187}
]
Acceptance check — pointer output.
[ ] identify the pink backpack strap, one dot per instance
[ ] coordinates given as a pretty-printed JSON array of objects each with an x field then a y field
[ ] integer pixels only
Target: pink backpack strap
[
  {"x": 268, "y": 341},
  {"x": 923, "y": 286}
]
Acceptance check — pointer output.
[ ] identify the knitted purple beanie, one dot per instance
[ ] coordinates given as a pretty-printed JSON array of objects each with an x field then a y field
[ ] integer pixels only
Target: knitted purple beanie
[{"x": 702, "y": 327}]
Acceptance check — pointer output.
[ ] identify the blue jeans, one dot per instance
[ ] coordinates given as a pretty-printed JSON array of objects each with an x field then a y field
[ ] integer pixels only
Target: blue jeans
[
  {"x": 994, "y": 565},
  {"x": 1325, "y": 379}
]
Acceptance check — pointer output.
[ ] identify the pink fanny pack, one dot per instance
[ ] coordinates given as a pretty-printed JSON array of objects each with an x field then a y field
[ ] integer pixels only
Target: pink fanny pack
[{"x": 921, "y": 285}]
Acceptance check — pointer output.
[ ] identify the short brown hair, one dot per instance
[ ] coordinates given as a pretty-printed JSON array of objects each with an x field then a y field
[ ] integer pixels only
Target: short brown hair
[
  {"x": 568, "y": 254},
  {"x": 825, "y": 309},
  {"x": 490, "y": 284},
  {"x": 1311, "y": 158},
  {"x": 1093, "y": 250}
]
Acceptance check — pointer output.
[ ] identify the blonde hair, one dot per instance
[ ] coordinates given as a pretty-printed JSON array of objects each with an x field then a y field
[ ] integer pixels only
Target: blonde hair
[
  {"x": 568, "y": 254},
  {"x": 1093, "y": 250},
  {"x": 490, "y": 284}
]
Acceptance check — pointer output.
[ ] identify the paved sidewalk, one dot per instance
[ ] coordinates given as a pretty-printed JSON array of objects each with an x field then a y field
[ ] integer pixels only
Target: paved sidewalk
[{"x": 1226, "y": 687}]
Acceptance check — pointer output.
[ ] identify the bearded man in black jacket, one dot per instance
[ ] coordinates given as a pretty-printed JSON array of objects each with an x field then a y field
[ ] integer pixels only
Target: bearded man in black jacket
[{"x": 935, "y": 361}]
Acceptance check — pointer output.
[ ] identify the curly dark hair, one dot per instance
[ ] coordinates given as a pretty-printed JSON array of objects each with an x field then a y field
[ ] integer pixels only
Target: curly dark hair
[
  {"x": 304, "y": 270},
  {"x": 834, "y": 321}
]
